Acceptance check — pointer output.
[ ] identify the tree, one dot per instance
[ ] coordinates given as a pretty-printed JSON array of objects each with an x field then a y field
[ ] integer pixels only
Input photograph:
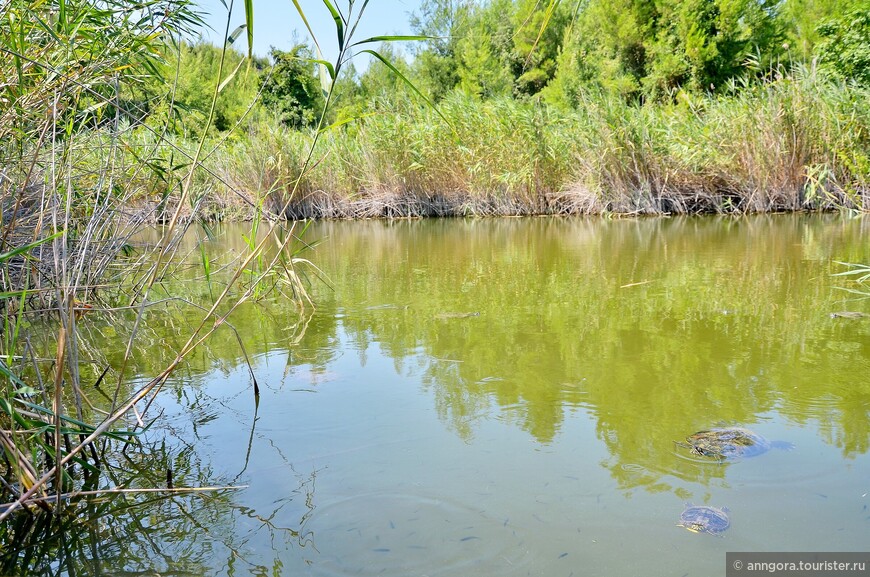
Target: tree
[
  {"x": 538, "y": 32},
  {"x": 484, "y": 52},
  {"x": 291, "y": 88},
  {"x": 844, "y": 46},
  {"x": 711, "y": 41},
  {"x": 198, "y": 67},
  {"x": 606, "y": 49},
  {"x": 801, "y": 19},
  {"x": 436, "y": 66},
  {"x": 640, "y": 49}
]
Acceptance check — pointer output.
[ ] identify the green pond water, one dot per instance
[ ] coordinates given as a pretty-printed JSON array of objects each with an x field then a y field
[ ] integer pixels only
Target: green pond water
[{"x": 502, "y": 397}]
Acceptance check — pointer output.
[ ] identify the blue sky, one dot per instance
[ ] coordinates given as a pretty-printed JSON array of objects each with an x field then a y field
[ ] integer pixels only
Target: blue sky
[{"x": 276, "y": 20}]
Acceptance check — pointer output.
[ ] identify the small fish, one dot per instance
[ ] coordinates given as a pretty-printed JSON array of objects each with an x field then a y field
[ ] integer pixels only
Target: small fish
[
  {"x": 444, "y": 316},
  {"x": 563, "y": 555},
  {"x": 381, "y": 550},
  {"x": 469, "y": 538},
  {"x": 849, "y": 315}
]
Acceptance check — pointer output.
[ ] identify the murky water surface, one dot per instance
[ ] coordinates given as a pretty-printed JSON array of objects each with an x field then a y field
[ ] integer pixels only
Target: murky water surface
[{"x": 503, "y": 397}]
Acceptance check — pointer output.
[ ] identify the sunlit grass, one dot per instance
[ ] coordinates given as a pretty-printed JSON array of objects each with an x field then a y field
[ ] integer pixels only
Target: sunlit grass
[{"x": 796, "y": 143}]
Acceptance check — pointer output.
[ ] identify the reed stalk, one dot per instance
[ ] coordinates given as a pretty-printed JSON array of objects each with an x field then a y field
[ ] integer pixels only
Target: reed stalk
[{"x": 73, "y": 170}]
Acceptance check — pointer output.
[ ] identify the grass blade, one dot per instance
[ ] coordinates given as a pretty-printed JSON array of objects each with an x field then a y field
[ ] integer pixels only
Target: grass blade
[
  {"x": 307, "y": 26},
  {"x": 410, "y": 84},
  {"x": 379, "y": 39},
  {"x": 235, "y": 34},
  {"x": 339, "y": 23},
  {"x": 229, "y": 78},
  {"x": 7, "y": 255}
]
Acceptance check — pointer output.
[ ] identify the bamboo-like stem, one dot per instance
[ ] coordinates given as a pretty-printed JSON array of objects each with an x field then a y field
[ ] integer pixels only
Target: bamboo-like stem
[{"x": 58, "y": 408}]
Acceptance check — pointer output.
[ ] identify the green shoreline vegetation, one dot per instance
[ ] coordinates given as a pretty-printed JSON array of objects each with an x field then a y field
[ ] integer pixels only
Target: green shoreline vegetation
[
  {"x": 558, "y": 108},
  {"x": 747, "y": 108},
  {"x": 778, "y": 147},
  {"x": 112, "y": 117},
  {"x": 729, "y": 107}
]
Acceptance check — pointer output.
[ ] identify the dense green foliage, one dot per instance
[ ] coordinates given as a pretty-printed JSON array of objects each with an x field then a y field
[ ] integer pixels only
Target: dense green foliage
[
  {"x": 844, "y": 47},
  {"x": 70, "y": 59},
  {"x": 497, "y": 48},
  {"x": 198, "y": 66},
  {"x": 291, "y": 89},
  {"x": 110, "y": 117},
  {"x": 282, "y": 85},
  {"x": 652, "y": 49},
  {"x": 635, "y": 49}
]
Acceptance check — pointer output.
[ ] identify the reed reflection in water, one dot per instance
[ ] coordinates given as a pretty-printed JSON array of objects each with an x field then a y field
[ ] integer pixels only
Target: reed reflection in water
[{"x": 502, "y": 397}]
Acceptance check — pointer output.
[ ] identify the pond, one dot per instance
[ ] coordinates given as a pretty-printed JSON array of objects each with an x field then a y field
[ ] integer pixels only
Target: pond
[{"x": 505, "y": 397}]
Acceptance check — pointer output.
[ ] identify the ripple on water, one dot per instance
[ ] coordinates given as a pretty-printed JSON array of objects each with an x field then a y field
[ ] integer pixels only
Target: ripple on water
[
  {"x": 796, "y": 457},
  {"x": 817, "y": 407},
  {"x": 408, "y": 534}
]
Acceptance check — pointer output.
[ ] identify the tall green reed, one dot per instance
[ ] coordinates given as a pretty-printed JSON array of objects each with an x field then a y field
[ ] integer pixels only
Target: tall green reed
[
  {"x": 795, "y": 142},
  {"x": 83, "y": 166},
  {"x": 76, "y": 184},
  {"x": 62, "y": 75}
]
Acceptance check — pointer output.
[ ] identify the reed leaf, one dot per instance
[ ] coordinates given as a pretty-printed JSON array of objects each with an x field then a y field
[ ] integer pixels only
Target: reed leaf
[
  {"x": 407, "y": 82},
  {"x": 234, "y": 35},
  {"x": 339, "y": 23},
  {"x": 855, "y": 270},
  {"x": 25, "y": 248}
]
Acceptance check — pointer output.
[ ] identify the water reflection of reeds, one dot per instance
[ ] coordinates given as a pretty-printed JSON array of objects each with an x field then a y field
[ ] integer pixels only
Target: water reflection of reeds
[{"x": 150, "y": 532}]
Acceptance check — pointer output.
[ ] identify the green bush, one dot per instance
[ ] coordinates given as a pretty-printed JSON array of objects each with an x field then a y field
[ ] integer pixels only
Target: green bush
[{"x": 844, "y": 48}]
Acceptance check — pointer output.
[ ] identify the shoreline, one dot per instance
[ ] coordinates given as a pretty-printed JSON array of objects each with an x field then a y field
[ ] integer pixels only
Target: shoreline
[{"x": 323, "y": 206}]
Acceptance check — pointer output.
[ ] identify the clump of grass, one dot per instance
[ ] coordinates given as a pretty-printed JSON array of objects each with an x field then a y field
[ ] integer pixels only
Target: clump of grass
[
  {"x": 797, "y": 142},
  {"x": 782, "y": 144},
  {"x": 62, "y": 210},
  {"x": 778, "y": 146},
  {"x": 74, "y": 177},
  {"x": 406, "y": 159}
]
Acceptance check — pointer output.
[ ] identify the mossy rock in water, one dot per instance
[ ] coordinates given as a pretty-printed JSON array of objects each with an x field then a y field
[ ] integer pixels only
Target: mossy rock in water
[
  {"x": 704, "y": 519},
  {"x": 731, "y": 443}
]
